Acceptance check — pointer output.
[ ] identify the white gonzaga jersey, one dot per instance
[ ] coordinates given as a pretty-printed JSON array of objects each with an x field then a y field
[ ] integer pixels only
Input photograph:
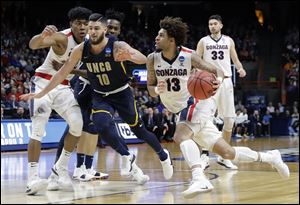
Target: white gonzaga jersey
[
  {"x": 176, "y": 74},
  {"x": 217, "y": 53},
  {"x": 53, "y": 59}
]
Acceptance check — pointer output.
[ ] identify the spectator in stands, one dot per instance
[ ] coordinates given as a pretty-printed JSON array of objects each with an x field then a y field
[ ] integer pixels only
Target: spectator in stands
[
  {"x": 20, "y": 114},
  {"x": 11, "y": 103},
  {"x": 238, "y": 124},
  {"x": 281, "y": 108},
  {"x": 294, "y": 123},
  {"x": 161, "y": 127},
  {"x": 218, "y": 122},
  {"x": 151, "y": 122},
  {"x": 150, "y": 102},
  {"x": 170, "y": 123},
  {"x": 239, "y": 105},
  {"x": 271, "y": 108},
  {"x": 245, "y": 122},
  {"x": 255, "y": 124},
  {"x": 277, "y": 113},
  {"x": 266, "y": 124}
]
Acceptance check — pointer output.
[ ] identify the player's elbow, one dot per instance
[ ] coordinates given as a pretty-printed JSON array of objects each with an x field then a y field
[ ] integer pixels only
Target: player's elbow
[
  {"x": 142, "y": 60},
  {"x": 151, "y": 91},
  {"x": 32, "y": 46}
]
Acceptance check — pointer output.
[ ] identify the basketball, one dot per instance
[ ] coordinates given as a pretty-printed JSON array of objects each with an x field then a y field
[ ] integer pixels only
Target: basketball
[{"x": 200, "y": 84}]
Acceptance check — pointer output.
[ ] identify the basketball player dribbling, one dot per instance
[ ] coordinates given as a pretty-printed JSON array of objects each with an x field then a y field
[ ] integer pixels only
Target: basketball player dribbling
[
  {"x": 168, "y": 71},
  {"x": 218, "y": 49}
]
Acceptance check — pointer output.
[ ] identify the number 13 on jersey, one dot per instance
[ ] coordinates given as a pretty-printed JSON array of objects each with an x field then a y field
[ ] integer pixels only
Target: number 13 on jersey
[{"x": 173, "y": 84}]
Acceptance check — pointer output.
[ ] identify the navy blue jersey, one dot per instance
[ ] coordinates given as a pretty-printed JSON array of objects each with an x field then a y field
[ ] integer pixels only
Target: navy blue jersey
[{"x": 104, "y": 73}]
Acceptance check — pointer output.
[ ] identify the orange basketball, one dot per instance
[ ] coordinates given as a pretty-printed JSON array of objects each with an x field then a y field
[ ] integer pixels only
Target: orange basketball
[{"x": 200, "y": 84}]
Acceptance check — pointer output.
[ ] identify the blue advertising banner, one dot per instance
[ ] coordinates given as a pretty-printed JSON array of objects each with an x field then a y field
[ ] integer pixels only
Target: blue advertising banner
[{"x": 15, "y": 133}]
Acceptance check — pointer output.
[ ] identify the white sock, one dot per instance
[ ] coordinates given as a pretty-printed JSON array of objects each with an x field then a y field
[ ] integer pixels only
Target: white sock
[
  {"x": 245, "y": 154},
  {"x": 63, "y": 159},
  {"x": 190, "y": 153},
  {"x": 33, "y": 170},
  {"x": 197, "y": 173},
  {"x": 265, "y": 157}
]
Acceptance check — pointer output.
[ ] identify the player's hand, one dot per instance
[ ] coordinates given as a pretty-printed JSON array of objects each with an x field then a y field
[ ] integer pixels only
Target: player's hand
[
  {"x": 30, "y": 96},
  {"x": 122, "y": 54},
  {"x": 216, "y": 85},
  {"x": 242, "y": 72},
  {"x": 49, "y": 30},
  {"x": 161, "y": 86}
]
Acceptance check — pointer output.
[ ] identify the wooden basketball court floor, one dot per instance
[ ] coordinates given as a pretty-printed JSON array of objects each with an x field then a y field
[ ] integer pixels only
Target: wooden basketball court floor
[{"x": 252, "y": 183}]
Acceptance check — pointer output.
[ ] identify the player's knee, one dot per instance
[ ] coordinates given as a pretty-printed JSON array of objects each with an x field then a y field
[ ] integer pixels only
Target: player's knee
[
  {"x": 103, "y": 122},
  {"x": 38, "y": 128},
  {"x": 133, "y": 121},
  {"x": 228, "y": 124},
  {"x": 76, "y": 127},
  {"x": 73, "y": 117},
  {"x": 75, "y": 124},
  {"x": 228, "y": 153}
]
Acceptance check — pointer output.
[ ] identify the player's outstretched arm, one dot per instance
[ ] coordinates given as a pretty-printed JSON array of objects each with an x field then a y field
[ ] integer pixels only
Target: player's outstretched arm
[
  {"x": 59, "y": 76},
  {"x": 124, "y": 52},
  {"x": 50, "y": 37}
]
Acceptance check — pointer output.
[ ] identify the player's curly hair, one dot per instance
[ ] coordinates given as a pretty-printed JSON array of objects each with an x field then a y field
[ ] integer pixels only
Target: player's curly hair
[
  {"x": 175, "y": 28},
  {"x": 79, "y": 13},
  {"x": 113, "y": 14}
]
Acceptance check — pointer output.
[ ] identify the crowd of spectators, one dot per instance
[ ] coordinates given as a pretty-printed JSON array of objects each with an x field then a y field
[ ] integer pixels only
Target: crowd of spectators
[
  {"x": 291, "y": 64},
  {"x": 18, "y": 62},
  {"x": 257, "y": 122}
]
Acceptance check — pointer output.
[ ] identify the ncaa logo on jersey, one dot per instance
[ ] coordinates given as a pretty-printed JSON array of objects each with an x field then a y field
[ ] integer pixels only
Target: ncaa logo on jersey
[
  {"x": 181, "y": 59},
  {"x": 107, "y": 52}
]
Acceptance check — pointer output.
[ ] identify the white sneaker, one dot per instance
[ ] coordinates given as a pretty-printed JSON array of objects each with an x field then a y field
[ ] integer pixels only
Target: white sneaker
[
  {"x": 35, "y": 185},
  {"x": 53, "y": 182},
  {"x": 126, "y": 164},
  {"x": 64, "y": 180},
  {"x": 167, "y": 166},
  {"x": 205, "y": 161},
  {"x": 81, "y": 174},
  {"x": 97, "y": 175},
  {"x": 198, "y": 186},
  {"x": 278, "y": 164},
  {"x": 226, "y": 163},
  {"x": 138, "y": 175}
]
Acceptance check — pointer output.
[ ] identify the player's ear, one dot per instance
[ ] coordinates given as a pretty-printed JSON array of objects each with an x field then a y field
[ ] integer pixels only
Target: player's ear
[
  {"x": 221, "y": 25},
  {"x": 172, "y": 40},
  {"x": 71, "y": 23}
]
